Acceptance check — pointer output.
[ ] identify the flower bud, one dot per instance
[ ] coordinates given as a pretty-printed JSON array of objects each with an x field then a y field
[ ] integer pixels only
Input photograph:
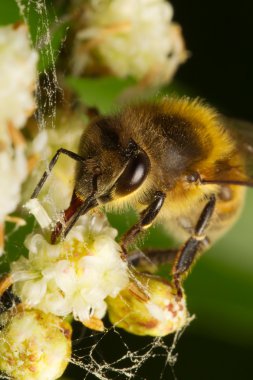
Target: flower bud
[
  {"x": 34, "y": 345},
  {"x": 162, "y": 312},
  {"x": 127, "y": 38}
]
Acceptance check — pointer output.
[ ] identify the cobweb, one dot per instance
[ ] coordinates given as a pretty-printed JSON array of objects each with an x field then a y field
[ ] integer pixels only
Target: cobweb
[{"x": 113, "y": 354}]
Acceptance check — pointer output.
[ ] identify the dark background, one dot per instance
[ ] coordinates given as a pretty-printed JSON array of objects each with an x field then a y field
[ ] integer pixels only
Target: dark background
[{"x": 219, "y": 34}]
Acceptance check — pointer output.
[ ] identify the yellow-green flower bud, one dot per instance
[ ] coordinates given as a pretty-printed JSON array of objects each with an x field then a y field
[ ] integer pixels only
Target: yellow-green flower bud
[
  {"x": 163, "y": 313},
  {"x": 34, "y": 345}
]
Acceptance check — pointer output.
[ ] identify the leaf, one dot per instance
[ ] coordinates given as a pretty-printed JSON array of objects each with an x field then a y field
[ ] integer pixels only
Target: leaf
[
  {"x": 101, "y": 93},
  {"x": 9, "y": 12},
  {"x": 14, "y": 244}
]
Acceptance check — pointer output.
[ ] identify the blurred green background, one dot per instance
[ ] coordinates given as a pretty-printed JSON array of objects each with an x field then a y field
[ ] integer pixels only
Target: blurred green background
[{"x": 219, "y": 342}]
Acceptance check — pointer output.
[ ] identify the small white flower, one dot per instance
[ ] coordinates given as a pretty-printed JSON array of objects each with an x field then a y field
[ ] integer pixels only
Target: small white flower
[
  {"x": 18, "y": 76},
  {"x": 34, "y": 207},
  {"x": 74, "y": 276},
  {"x": 128, "y": 38}
]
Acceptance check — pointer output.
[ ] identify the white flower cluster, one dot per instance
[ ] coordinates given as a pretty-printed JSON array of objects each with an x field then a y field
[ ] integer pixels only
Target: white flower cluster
[
  {"x": 74, "y": 276},
  {"x": 17, "y": 82},
  {"x": 18, "y": 75},
  {"x": 128, "y": 38}
]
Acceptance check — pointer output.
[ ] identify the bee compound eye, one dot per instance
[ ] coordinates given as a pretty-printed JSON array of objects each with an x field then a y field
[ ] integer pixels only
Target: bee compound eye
[{"x": 134, "y": 174}]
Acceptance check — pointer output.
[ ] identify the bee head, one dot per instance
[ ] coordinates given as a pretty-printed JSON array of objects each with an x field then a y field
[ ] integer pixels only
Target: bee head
[{"x": 111, "y": 169}]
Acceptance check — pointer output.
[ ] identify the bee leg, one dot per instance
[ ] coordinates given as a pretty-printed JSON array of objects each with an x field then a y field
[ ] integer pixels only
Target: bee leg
[
  {"x": 193, "y": 245},
  {"x": 148, "y": 260},
  {"x": 52, "y": 163},
  {"x": 146, "y": 219}
]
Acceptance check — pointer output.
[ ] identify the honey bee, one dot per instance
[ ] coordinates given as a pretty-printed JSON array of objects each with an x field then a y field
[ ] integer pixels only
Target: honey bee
[{"x": 177, "y": 162}]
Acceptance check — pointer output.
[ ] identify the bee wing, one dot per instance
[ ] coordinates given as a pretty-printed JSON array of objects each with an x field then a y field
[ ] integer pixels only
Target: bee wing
[{"x": 242, "y": 132}]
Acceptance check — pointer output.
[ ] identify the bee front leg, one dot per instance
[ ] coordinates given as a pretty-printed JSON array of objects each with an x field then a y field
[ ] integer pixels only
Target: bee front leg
[
  {"x": 193, "y": 245},
  {"x": 146, "y": 219},
  {"x": 51, "y": 165}
]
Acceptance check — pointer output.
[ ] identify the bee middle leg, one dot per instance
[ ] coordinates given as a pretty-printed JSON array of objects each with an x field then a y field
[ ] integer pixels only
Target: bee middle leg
[
  {"x": 146, "y": 219},
  {"x": 194, "y": 245}
]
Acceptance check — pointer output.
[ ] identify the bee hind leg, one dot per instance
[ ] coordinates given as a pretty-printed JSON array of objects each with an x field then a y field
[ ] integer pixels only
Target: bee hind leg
[
  {"x": 193, "y": 246},
  {"x": 149, "y": 260}
]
